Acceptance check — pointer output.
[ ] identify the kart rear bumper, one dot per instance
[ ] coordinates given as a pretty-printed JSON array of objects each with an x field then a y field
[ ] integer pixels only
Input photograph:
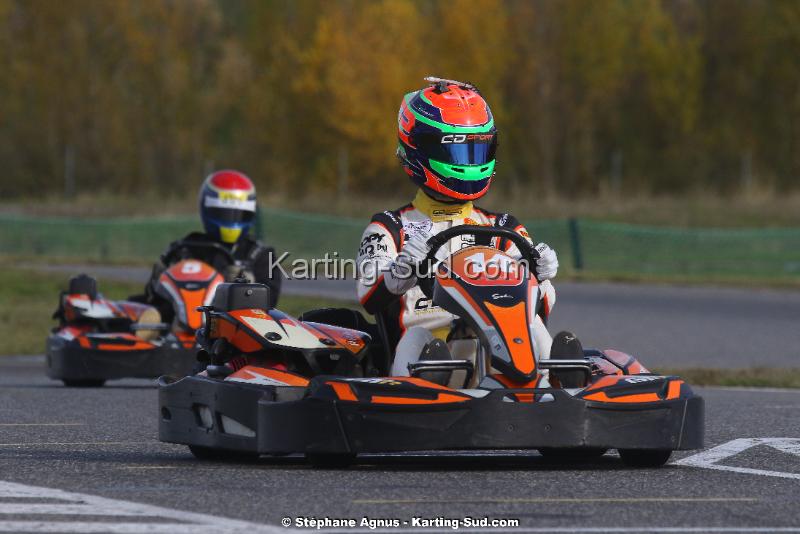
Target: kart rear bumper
[
  {"x": 68, "y": 360},
  {"x": 279, "y": 420}
]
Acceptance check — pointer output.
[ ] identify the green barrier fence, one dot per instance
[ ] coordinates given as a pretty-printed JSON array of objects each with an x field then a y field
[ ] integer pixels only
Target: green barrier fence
[{"x": 587, "y": 246}]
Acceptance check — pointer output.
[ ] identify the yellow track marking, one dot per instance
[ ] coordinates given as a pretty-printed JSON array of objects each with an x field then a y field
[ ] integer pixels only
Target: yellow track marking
[
  {"x": 76, "y": 443},
  {"x": 151, "y": 467},
  {"x": 557, "y": 500},
  {"x": 41, "y": 424}
]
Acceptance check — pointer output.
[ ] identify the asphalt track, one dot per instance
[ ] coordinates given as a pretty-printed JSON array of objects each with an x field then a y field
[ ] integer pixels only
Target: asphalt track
[
  {"x": 100, "y": 444},
  {"x": 667, "y": 326}
]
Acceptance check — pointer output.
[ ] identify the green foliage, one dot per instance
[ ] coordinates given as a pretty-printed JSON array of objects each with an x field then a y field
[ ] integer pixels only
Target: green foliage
[{"x": 590, "y": 96}]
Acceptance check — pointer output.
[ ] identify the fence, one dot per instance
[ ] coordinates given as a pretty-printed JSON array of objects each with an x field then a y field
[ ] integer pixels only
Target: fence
[{"x": 588, "y": 246}]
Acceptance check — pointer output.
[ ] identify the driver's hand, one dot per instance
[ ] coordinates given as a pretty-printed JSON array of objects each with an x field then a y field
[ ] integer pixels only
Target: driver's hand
[
  {"x": 401, "y": 275},
  {"x": 547, "y": 264},
  {"x": 416, "y": 248},
  {"x": 232, "y": 272}
]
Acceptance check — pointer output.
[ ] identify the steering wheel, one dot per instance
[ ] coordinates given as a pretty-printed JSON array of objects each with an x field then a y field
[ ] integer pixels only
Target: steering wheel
[
  {"x": 174, "y": 254},
  {"x": 526, "y": 248}
]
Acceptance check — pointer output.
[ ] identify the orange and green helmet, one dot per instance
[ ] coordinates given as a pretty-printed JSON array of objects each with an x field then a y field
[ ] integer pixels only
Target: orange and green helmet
[{"x": 447, "y": 140}]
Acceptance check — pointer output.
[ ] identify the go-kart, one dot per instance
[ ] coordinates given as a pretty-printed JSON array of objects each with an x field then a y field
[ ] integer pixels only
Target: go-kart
[
  {"x": 100, "y": 339},
  {"x": 299, "y": 389}
]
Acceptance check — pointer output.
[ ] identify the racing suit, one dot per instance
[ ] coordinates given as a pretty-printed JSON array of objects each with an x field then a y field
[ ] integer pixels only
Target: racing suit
[
  {"x": 384, "y": 238},
  {"x": 253, "y": 260}
]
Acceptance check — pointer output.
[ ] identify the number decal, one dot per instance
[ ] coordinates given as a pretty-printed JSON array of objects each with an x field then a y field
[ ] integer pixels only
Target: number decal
[{"x": 191, "y": 267}]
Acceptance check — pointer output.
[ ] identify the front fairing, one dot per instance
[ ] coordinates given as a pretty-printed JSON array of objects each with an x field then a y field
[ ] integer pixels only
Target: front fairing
[{"x": 498, "y": 299}]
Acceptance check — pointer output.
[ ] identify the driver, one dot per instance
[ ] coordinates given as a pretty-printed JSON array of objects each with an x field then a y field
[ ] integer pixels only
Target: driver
[
  {"x": 447, "y": 147},
  {"x": 227, "y": 208}
]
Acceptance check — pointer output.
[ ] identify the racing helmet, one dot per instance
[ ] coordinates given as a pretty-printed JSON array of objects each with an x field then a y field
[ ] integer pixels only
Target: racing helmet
[
  {"x": 447, "y": 140},
  {"x": 227, "y": 205}
]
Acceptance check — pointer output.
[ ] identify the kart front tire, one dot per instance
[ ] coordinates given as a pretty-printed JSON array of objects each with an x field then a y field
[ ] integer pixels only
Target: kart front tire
[
  {"x": 644, "y": 457},
  {"x": 86, "y": 383}
]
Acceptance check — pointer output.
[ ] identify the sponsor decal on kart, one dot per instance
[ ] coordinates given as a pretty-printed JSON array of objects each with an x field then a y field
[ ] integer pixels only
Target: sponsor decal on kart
[
  {"x": 381, "y": 381},
  {"x": 266, "y": 377},
  {"x": 640, "y": 379}
]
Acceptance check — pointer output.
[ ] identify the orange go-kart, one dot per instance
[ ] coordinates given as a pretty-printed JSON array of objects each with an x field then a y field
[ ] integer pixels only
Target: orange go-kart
[
  {"x": 305, "y": 387},
  {"x": 99, "y": 339}
]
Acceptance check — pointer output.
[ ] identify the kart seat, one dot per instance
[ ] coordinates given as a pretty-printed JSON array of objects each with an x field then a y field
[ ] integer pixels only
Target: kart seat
[
  {"x": 238, "y": 296},
  {"x": 84, "y": 285}
]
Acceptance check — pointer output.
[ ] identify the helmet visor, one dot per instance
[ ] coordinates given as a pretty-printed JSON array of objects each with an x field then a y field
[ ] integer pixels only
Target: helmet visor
[
  {"x": 458, "y": 149},
  {"x": 230, "y": 215}
]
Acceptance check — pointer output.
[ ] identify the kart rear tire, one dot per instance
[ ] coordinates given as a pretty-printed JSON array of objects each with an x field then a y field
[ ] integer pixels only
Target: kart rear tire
[
  {"x": 216, "y": 455},
  {"x": 85, "y": 383},
  {"x": 644, "y": 457},
  {"x": 572, "y": 455},
  {"x": 330, "y": 461},
  {"x": 566, "y": 346}
]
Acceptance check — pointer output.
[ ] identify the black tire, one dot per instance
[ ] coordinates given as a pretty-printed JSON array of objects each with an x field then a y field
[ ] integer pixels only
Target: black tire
[
  {"x": 572, "y": 455},
  {"x": 645, "y": 457},
  {"x": 330, "y": 461},
  {"x": 217, "y": 455},
  {"x": 566, "y": 346},
  {"x": 85, "y": 383}
]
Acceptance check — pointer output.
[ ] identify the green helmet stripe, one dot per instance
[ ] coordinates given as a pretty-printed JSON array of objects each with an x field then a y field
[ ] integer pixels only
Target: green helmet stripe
[
  {"x": 468, "y": 173},
  {"x": 446, "y": 127},
  {"x": 425, "y": 98}
]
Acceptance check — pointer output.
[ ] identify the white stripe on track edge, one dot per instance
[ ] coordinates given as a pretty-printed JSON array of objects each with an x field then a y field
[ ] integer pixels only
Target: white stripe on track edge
[
  {"x": 708, "y": 459},
  {"x": 70, "y": 505}
]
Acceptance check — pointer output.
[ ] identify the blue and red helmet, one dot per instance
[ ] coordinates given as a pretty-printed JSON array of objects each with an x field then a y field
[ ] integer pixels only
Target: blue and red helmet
[
  {"x": 447, "y": 140},
  {"x": 227, "y": 205}
]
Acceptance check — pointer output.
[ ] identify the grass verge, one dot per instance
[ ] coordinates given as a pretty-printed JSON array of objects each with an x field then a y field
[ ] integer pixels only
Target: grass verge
[
  {"x": 27, "y": 302},
  {"x": 763, "y": 377},
  {"x": 699, "y": 280}
]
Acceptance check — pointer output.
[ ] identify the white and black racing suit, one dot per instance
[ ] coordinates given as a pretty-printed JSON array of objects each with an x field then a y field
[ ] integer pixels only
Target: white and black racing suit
[{"x": 384, "y": 237}]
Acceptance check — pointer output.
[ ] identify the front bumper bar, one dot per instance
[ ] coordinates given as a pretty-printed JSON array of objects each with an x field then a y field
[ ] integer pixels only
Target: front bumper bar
[
  {"x": 70, "y": 361},
  {"x": 281, "y": 420}
]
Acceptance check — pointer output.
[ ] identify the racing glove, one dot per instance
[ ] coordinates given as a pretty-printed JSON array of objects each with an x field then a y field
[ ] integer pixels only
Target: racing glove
[
  {"x": 401, "y": 274},
  {"x": 547, "y": 264}
]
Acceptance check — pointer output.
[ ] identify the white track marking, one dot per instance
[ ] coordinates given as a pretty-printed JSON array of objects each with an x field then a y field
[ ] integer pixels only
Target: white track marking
[
  {"x": 710, "y": 459},
  {"x": 152, "y": 519}
]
